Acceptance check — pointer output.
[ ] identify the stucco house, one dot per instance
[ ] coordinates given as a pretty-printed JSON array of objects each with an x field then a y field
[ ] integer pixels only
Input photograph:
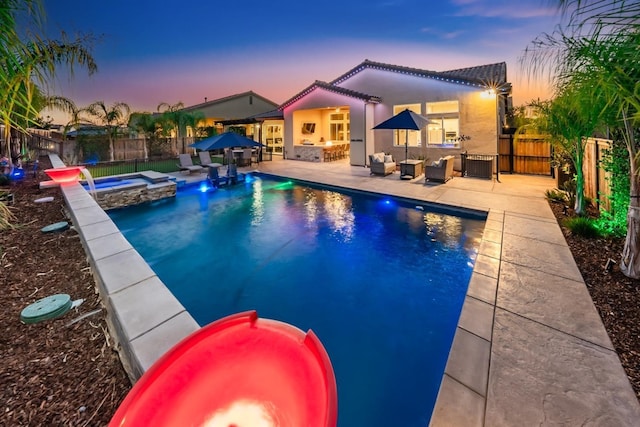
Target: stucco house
[
  {"x": 463, "y": 102},
  {"x": 233, "y": 107}
]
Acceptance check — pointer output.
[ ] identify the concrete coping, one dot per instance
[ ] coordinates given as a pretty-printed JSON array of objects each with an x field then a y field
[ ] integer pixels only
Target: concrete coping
[{"x": 144, "y": 317}]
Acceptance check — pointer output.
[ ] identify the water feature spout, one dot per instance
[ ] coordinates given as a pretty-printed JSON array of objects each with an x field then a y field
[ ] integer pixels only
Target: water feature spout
[{"x": 71, "y": 174}]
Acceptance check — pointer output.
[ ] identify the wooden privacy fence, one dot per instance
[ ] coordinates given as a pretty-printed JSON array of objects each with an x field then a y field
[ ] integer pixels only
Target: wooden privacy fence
[
  {"x": 596, "y": 180},
  {"x": 128, "y": 149},
  {"x": 530, "y": 154}
]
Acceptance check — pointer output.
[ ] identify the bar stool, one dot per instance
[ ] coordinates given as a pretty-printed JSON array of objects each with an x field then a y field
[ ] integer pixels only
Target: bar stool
[{"x": 328, "y": 154}]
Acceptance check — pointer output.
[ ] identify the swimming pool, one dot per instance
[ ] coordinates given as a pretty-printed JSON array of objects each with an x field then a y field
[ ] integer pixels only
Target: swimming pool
[{"x": 381, "y": 282}]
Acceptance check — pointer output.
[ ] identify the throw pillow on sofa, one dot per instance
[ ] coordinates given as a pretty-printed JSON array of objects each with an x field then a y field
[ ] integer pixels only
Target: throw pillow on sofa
[
  {"x": 378, "y": 157},
  {"x": 388, "y": 158}
]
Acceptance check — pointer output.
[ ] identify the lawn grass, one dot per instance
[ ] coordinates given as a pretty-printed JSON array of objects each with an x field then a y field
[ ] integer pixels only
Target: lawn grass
[{"x": 132, "y": 166}]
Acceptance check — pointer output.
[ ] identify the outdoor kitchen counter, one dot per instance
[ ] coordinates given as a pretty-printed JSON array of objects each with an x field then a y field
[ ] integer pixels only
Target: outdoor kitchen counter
[{"x": 309, "y": 153}]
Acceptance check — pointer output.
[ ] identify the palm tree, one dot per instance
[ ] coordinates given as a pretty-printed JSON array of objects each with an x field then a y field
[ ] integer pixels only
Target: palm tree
[
  {"x": 27, "y": 67},
  {"x": 569, "y": 120},
  {"x": 112, "y": 118},
  {"x": 178, "y": 119},
  {"x": 604, "y": 52},
  {"x": 146, "y": 124}
]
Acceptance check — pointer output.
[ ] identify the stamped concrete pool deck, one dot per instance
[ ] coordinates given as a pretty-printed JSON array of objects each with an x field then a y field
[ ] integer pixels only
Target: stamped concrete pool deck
[{"x": 530, "y": 348}]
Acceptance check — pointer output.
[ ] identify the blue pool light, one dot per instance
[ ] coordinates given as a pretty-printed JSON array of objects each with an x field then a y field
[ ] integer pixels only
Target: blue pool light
[
  {"x": 204, "y": 187},
  {"x": 387, "y": 203},
  {"x": 17, "y": 174}
]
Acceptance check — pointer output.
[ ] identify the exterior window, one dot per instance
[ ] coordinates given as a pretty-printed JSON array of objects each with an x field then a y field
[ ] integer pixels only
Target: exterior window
[
  {"x": 339, "y": 129},
  {"x": 444, "y": 128},
  {"x": 411, "y": 137}
]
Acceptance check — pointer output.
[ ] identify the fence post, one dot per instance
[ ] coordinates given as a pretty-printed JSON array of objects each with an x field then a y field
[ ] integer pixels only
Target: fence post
[
  {"x": 510, "y": 153},
  {"x": 463, "y": 163},
  {"x": 597, "y": 172}
]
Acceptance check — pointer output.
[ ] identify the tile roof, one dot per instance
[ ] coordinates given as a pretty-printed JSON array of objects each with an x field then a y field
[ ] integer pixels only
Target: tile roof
[
  {"x": 256, "y": 118},
  {"x": 332, "y": 88},
  {"x": 482, "y": 75},
  {"x": 228, "y": 98}
]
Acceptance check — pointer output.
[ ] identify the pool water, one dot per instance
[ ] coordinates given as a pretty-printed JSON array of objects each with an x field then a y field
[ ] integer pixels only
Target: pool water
[{"x": 380, "y": 282}]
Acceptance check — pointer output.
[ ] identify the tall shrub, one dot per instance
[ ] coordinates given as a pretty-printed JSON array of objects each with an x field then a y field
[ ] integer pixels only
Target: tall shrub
[{"x": 616, "y": 161}]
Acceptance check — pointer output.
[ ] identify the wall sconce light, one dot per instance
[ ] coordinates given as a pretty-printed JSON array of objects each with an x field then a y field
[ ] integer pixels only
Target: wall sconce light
[{"x": 489, "y": 93}]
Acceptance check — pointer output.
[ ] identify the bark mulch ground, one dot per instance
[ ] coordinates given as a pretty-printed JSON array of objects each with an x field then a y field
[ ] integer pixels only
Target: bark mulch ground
[
  {"x": 65, "y": 371},
  {"x": 62, "y": 371}
]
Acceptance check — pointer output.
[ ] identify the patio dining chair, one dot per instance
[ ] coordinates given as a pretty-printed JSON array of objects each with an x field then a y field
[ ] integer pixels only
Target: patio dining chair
[{"x": 245, "y": 159}]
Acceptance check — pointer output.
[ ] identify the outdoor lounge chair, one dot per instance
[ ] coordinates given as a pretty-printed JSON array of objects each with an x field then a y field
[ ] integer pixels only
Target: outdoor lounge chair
[
  {"x": 186, "y": 164},
  {"x": 381, "y": 164},
  {"x": 440, "y": 170},
  {"x": 205, "y": 160}
]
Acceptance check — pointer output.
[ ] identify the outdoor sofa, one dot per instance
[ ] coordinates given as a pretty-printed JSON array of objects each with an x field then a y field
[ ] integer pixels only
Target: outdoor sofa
[{"x": 381, "y": 164}]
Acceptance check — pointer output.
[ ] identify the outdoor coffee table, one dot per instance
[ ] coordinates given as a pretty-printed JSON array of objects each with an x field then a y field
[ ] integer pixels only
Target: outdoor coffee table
[{"x": 412, "y": 168}]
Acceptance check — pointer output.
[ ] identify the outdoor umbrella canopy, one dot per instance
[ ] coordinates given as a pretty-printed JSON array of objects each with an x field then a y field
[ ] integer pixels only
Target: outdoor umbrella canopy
[
  {"x": 407, "y": 120},
  {"x": 225, "y": 140}
]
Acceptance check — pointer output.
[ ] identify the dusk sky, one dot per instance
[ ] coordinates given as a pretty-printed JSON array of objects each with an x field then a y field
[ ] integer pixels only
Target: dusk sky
[{"x": 152, "y": 51}]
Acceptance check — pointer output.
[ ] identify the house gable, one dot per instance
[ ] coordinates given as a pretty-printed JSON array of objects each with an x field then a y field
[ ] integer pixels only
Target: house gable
[
  {"x": 331, "y": 88},
  {"x": 482, "y": 76},
  {"x": 234, "y": 107}
]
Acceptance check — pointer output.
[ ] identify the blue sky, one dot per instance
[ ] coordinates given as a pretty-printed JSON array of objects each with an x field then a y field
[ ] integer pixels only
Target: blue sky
[{"x": 152, "y": 51}]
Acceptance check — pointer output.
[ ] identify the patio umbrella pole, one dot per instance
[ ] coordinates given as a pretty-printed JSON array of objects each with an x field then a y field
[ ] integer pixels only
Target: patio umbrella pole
[{"x": 406, "y": 145}]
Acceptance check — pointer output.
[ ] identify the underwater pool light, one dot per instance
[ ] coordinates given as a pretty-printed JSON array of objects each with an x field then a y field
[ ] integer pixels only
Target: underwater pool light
[{"x": 204, "y": 187}]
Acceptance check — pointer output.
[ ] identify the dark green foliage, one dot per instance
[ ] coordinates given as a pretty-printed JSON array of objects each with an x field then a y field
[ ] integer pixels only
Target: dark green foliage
[
  {"x": 569, "y": 188},
  {"x": 92, "y": 147},
  {"x": 556, "y": 195},
  {"x": 616, "y": 161},
  {"x": 582, "y": 226}
]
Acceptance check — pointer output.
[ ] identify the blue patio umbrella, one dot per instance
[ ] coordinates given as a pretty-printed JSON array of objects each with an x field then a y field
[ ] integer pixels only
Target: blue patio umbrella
[
  {"x": 225, "y": 140},
  {"x": 407, "y": 120}
]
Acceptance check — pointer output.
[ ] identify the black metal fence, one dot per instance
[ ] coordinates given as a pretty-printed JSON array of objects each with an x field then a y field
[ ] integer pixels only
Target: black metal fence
[
  {"x": 164, "y": 165},
  {"x": 131, "y": 166}
]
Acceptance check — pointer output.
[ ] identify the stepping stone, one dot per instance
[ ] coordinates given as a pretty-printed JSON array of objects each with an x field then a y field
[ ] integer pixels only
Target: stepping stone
[
  {"x": 58, "y": 226},
  {"x": 46, "y": 308}
]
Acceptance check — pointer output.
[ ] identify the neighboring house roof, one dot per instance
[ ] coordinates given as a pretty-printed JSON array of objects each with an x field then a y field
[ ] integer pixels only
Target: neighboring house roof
[
  {"x": 256, "y": 118},
  {"x": 88, "y": 130},
  {"x": 490, "y": 75},
  {"x": 332, "y": 88},
  {"x": 229, "y": 98}
]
